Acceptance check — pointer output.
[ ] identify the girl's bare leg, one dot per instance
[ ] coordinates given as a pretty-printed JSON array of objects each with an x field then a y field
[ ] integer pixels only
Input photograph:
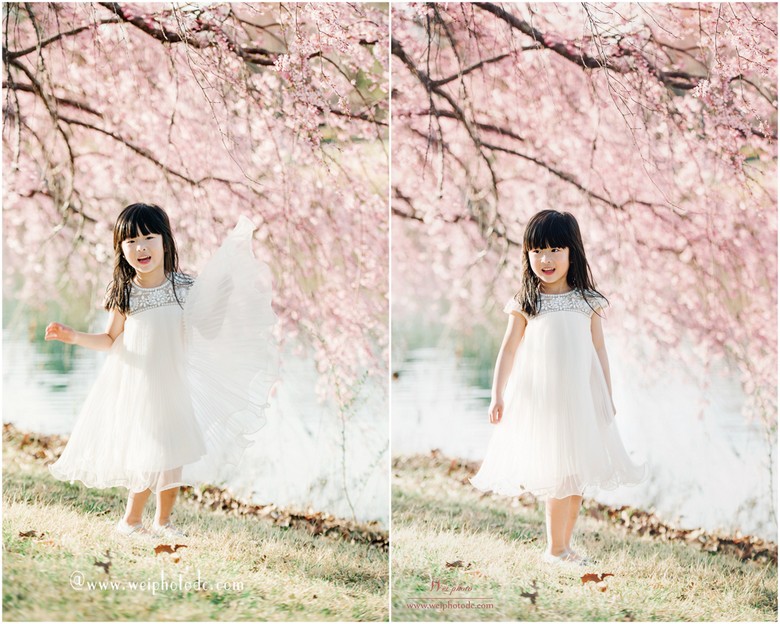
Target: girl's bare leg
[
  {"x": 557, "y": 517},
  {"x": 571, "y": 518},
  {"x": 135, "y": 506},
  {"x": 165, "y": 501}
]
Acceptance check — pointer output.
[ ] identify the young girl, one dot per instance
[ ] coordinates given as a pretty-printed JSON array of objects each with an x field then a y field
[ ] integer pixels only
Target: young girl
[
  {"x": 552, "y": 397},
  {"x": 190, "y": 364}
]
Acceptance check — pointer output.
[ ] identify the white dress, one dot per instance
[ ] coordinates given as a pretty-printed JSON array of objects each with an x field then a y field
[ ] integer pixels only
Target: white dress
[
  {"x": 183, "y": 385},
  {"x": 557, "y": 434}
]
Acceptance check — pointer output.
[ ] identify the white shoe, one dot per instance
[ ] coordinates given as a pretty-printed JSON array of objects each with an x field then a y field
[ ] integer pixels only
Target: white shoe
[
  {"x": 581, "y": 559},
  {"x": 130, "y": 529},
  {"x": 565, "y": 557},
  {"x": 167, "y": 530}
]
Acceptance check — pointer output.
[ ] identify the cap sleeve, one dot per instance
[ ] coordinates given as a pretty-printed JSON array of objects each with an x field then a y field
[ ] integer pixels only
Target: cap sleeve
[
  {"x": 183, "y": 279},
  {"x": 513, "y": 306},
  {"x": 596, "y": 300}
]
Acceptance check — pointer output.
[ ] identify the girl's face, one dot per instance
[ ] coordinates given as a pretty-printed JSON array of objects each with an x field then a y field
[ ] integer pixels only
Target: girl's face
[
  {"x": 145, "y": 253},
  {"x": 550, "y": 265}
]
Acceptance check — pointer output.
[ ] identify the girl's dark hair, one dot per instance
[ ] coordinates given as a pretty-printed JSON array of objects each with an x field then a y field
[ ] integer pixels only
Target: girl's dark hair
[
  {"x": 550, "y": 228},
  {"x": 139, "y": 220}
]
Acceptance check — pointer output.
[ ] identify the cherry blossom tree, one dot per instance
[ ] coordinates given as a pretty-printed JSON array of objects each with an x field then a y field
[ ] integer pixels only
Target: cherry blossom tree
[
  {"x": 654, "y": 124},
  {"x": 277, "y": 111}
]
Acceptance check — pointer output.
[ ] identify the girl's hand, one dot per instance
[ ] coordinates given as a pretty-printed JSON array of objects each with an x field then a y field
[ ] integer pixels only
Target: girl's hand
[
  {"x": 63, "y": 333},
  {"x": 496, "y": 411}
]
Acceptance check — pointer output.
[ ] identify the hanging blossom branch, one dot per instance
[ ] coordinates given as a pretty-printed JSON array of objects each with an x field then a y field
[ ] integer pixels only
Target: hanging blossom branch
[
  {"x": 398, "y": 51},
  {"x": 155, "y": 28},
  {"x": 673, "y": 79},
  {"x": 200, "y": 33},
  {"x": 566, "y": 49},
  {"x": 459, "y": 115}
]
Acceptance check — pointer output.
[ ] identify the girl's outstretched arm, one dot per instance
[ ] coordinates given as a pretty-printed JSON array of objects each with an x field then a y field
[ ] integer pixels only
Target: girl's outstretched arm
[
  {"x": 506, "y": 358},
  {"x": 99, "y": 342},
  {"x": 601, "y": 349}
]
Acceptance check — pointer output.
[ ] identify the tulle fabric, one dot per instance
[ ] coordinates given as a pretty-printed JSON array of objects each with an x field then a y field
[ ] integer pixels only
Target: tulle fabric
[
  {"x": 232, "y": 356},
  {"x": 181, "y": 389},
  {"x": 558, "y": 434}
]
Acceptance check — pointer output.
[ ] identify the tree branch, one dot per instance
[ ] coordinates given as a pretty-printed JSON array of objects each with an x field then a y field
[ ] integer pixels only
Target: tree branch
[
  {"x": 398, "y": 51},
  {"x": 141, "y": 151},
  {"x": 438, "y": 112},
  {"x": 13, "y": 54},
  {"x": 415, "y": 217},
  {"x": 578, "y": 57},
  {"x": 475, "y": 66},
  {"x": 250, "y": 54},
  {"x": 65, "y": 101}
]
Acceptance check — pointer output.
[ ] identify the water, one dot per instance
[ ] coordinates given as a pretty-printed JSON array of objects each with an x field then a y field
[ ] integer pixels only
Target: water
[
  {"x": 304, "y": 456},
  {"x": 709, "y": 466}
]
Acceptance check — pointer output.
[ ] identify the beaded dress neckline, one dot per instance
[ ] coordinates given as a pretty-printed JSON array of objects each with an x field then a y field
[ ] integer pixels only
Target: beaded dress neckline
[
  {"x": 157, "y": 296},
  {"x": 573, "y": 301}
]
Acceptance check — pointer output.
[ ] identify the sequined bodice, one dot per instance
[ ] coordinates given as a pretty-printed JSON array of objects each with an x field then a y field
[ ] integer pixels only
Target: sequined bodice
[
  {"x": 146, "y": 298},
  {"x": 571, "y": 301}
]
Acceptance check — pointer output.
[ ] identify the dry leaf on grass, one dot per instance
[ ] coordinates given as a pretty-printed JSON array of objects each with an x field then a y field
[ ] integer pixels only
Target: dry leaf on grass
[
  {"x": 167, "y": 548},
  {"x": 31, "y": 534},
  {"x": 106, "y": 565},
  {"x": 458, "y": 564},
  {"x": 532, "y": 596},
  {"x": 596, "y": 578}
]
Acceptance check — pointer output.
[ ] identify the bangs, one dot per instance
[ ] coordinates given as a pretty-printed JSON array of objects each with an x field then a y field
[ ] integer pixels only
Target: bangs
[
  {"x": 140, "y": 221},
  {"x": 551, "y": 230}
]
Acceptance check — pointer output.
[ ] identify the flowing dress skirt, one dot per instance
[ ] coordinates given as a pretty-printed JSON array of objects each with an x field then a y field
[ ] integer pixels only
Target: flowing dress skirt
[{"x": 558, "y": 434}]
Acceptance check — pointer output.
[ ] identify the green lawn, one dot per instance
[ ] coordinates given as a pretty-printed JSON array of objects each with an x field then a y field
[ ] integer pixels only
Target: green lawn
[
  {"x": 495, "y": 543},
  {"x": 249, "y": 568}
]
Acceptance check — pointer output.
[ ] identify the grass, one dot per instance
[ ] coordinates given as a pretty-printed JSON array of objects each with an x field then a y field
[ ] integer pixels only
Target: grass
[
  {"x": 267, "y": 572},
  {"x": 495, "y": 545}
]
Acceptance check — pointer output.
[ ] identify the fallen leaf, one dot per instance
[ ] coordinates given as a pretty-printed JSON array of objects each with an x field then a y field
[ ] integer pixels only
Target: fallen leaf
[
  {"x": 106, "y": 565},
  {"x": 532, "y": 596},
  {"x": 458, "y": 564},
  {"x": 596, "y": 578},
  {"x": 31, "y": 534},
  {"x": 167, "y": 548}
]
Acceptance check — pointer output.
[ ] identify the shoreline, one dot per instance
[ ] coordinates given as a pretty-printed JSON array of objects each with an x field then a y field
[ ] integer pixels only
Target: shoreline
[
  {"x": 47, "y": 448},
  {"x": 631, "y": 519}
]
